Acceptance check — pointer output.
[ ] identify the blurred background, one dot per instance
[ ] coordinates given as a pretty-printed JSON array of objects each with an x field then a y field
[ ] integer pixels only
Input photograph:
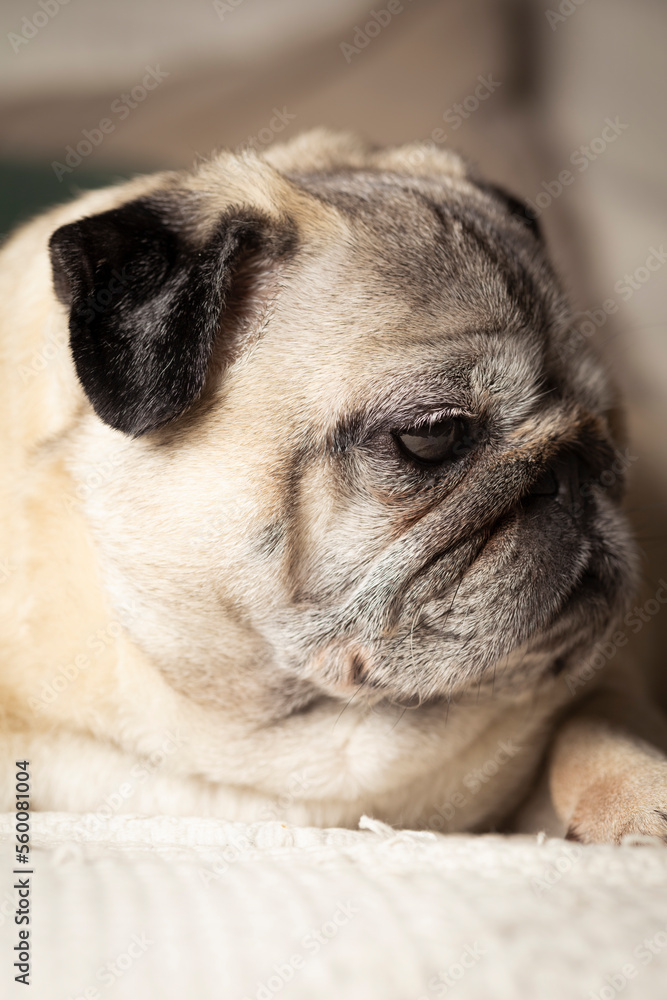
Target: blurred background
[{"x": 562, "y": 101}]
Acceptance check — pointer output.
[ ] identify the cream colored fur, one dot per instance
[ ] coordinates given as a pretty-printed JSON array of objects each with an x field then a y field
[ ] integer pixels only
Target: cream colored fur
[{"x": 99, "y": 719}]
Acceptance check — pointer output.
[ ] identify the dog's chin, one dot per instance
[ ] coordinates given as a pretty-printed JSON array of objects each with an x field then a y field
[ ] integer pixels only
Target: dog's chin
[{"x": 536, "y": 594}]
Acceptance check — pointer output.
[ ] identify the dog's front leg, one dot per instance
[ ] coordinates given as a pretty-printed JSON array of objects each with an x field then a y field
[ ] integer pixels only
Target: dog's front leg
[{"x": 607, "y": 769}]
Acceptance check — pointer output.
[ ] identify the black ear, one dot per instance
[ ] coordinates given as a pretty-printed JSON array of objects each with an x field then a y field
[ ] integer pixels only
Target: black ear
[
  {"x": 146, "y": 302},
  {"x": 516, "y": 207}
]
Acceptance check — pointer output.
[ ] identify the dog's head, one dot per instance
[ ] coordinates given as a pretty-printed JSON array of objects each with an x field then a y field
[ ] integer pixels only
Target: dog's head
[{"x": 347, "y": 442}]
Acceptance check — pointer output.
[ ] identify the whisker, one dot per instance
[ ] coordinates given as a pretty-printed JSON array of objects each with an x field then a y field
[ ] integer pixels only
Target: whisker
[
  {"x": 405, "y": 708},
  {"x": 412, "y": 656},
  {"x": 349, "y": 702},
  {"x": 449, "y": 609}
]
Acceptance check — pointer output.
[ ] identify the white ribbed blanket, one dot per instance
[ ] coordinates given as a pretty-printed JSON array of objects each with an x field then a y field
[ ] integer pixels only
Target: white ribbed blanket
[{"x": 192, "y": 909}]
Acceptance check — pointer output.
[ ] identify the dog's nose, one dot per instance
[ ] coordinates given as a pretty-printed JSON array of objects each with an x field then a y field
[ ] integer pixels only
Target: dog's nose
[{"x": 563, "y": 480}]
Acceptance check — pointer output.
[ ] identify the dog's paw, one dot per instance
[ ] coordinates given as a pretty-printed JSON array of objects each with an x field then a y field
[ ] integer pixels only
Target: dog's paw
[{"x": 615, "y": 808}]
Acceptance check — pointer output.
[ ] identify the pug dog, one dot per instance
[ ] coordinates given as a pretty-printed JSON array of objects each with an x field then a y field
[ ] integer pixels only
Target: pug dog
[{"x": 306, "y": 507}]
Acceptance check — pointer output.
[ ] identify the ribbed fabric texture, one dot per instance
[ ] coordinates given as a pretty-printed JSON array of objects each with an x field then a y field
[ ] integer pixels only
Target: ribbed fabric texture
[{"x": 191, "y": 909}]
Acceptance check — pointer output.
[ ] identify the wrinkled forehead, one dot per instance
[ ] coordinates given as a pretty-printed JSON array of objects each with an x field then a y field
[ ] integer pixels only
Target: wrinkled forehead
[
  {"x": 440, "y": 250},
  {"x": 424, "y": 303},
  {"x": 424, "y": 299}
]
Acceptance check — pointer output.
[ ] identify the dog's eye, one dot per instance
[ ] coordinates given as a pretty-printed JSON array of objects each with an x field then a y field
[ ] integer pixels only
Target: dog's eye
[{"x": 437, "y": 442}]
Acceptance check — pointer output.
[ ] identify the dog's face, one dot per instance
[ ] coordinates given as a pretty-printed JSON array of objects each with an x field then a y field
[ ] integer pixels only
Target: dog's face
[{"x": 349, "y": 446}]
